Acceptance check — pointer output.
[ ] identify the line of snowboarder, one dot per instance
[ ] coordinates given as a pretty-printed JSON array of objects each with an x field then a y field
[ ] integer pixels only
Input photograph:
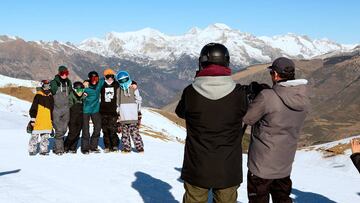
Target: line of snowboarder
[{"x": 113, "y": 103}]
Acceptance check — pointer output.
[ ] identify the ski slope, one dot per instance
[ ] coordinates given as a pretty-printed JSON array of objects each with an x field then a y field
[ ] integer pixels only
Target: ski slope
[
  {"x": 6, "y": 81},
  {"x": 151, "y": 177}
]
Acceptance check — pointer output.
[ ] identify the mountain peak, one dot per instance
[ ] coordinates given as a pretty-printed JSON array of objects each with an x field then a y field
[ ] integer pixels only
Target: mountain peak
[
  {"x": 194, "y": 31},
  {"x": 219, "y": 26}
]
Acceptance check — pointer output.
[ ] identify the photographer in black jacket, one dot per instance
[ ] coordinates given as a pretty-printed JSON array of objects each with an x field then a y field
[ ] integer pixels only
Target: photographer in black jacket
[{"x": 213, "y": 107}]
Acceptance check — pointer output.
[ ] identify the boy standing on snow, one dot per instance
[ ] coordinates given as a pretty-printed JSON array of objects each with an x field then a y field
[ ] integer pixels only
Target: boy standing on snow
[
  {"x": 91, "y": 110},
  {"x": 76, "y": 99},
  {"x": 108, "y": 112},
  {"x": 41, "y": 119},
  {"x": 61, "y": 88},
  {"x": 129, "y": 109}
]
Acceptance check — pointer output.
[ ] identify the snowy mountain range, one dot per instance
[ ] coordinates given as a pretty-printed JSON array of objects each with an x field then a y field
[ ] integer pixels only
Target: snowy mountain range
[
  {"x": 245, "y": 49},
  {"x": 161, "y": 63}
]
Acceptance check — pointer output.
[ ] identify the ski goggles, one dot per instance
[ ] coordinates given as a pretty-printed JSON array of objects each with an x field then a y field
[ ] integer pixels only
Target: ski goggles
[
  {"x": 109, "y": 76},
  {"x": 64, "y": 73},
  {"x": 46, "y": 86},
  {"x": 124, "y": 80},
  {"x": 79, "y": 90},
  {"x": 94, "y": 79}
]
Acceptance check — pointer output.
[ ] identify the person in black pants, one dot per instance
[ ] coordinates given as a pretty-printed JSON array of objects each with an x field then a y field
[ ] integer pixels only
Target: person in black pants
[
  {"x": 355, "y": 157},
  {"x": 108, "y": 112},
  {"x": 76, "y": 99},
  {"x": 91, "y": 110}
]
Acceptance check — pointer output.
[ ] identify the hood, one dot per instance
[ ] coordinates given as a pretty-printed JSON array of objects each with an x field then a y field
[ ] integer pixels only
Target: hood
[
  {"x": 294, "y": 94},
  {"x": 214, "y": 88}
]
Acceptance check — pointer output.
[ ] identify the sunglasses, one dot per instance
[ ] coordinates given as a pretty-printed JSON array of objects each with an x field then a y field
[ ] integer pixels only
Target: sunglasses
[
  {"x": 272, "y": 72},
  {"x": 64, "y": 73},
  {"x": 124, "y": 80},
  {"x": 109, "y": 76}
]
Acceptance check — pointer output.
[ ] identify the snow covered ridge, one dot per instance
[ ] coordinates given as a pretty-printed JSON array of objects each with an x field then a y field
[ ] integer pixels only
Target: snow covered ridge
[
  {"x": 6, "y": 81},
  {"x": 245, "y": 48}
]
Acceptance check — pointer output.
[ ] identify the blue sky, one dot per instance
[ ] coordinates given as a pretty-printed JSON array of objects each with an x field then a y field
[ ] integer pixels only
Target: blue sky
[{"x": 78, "y": 19}]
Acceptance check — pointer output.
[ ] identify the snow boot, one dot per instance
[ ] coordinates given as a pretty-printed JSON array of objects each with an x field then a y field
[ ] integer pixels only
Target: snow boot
[
  {"x": 44, "y": 153},
  {"x": 32, "y": 153},
  {"x": 85, "y": 152},
  {"x": 115, "y": 149},
  {"x": 97, "y": 150}
]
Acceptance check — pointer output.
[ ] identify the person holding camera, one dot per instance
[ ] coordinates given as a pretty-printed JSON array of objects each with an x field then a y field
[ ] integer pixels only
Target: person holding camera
[
  {"x": 213, "y": 107},
  {"x": 277, "y": 116}
]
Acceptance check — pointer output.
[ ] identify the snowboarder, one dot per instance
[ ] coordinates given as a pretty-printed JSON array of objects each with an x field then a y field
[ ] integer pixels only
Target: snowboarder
[
  {"x": 213, "y": 107},
  {"x": 108, "y": 111},
  {"x": 277, "y": 116},
  {"x": 41, "y": 119},
  {"x": 61, "y": 88},
  {"x": 76, "y": 99},
  {"x": 91, "y": 109},
  {"x": 129, "y": 109}
]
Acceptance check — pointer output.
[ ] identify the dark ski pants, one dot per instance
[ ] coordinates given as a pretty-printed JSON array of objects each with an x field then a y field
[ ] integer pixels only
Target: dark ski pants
[
  {"x": 259, "y": 189},
  {"x": 194, "y": 194},
  {"x": 75, "y": 126},
  {"x": 88, "y": 143},
  {"x": 131, "y": 130},
  {"x": 60, "y": 122},
  {"x": 109, "y": 128}
]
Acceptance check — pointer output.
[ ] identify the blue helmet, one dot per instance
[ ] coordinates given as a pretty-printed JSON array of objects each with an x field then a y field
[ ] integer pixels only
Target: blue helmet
[{"x": 123, "y": 79}]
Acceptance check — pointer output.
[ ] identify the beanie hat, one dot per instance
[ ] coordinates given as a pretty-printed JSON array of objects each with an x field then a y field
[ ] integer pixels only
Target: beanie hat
[
  {"x": 62, "y": 68},
  {"x": 109, "y": 72}
]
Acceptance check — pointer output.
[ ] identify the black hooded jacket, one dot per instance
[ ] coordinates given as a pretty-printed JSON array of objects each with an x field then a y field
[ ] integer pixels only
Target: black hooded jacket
[{"x": 213, "y": 108}]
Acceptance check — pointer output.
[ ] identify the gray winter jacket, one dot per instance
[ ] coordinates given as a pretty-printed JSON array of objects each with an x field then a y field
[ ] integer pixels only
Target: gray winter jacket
[
  {"x": 277, "y": 115},
  {"x": 128, "y": 105}
]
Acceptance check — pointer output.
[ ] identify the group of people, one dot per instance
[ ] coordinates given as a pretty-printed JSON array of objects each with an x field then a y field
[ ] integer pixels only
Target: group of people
[
  {"x": 217, "y": 112},
  {"x": 112, "y": 102}
]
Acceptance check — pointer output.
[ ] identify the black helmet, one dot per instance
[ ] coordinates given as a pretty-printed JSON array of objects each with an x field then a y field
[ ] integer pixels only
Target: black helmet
[
  {"x": 93, "y": 74},
  {"x": 214, "y": 53},
  {"x": 78, "y": 85}
]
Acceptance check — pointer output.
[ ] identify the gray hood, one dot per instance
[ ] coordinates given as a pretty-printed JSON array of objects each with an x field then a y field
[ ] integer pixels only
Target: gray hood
[
  {"x": 214, "y": 88},
  {"x": 294, "y": 93}
]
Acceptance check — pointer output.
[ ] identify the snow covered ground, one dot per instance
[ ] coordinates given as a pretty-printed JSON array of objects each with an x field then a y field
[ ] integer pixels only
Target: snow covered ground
[
  {"x": 9, "y": 81},
  {"x": 149, "y": 177}
]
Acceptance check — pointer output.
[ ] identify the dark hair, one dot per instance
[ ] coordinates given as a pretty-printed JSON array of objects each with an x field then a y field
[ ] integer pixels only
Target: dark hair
[{"x": 287, "y": 75}]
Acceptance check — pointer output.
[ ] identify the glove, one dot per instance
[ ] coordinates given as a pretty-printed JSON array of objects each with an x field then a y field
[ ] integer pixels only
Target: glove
[
  {"x": 30, "y": 127},
  {"x": 52, "y": 134},
  {"x": 118, "y": 124},
  {"x": 139, "y": 118}
]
